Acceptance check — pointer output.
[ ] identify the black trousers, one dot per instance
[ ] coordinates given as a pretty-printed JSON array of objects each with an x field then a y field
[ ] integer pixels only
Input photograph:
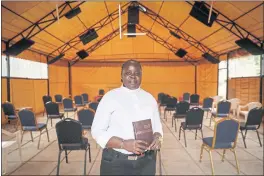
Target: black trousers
[{"x": 116, "y": 163}]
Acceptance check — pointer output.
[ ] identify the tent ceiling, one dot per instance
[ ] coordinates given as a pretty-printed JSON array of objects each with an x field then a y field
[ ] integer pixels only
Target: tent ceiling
[{"x": 217, "y": 38}]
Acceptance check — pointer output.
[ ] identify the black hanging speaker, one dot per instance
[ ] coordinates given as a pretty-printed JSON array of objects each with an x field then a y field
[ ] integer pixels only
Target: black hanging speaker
[
  {"x": 55, "y": 59},
  {"x": 73, "y": 13},
  {"x": 82, "y": 54},
  {"x": 133, "y": 15},
  {"x": 201, "y": 13},
  {"x": 181, "y": 53},
  {"x": 131, "y": 28},
  {"x": 88, "y": 36},
  {"x": 19, "y": 47},
  {"x": 250, "y": 46},
  {"x": 211, "y": 58}
]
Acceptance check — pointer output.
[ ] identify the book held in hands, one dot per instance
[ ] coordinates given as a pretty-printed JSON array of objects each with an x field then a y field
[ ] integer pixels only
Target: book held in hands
[{"x": 143, "y": 130}]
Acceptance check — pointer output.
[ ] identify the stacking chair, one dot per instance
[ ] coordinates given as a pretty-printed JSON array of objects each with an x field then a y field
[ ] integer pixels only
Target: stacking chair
[
  {"x": 10, "y": 112},
  {"x": 85, "y": 97},
  {"x": 171, "y": 106},
  {"x": 71, "y": 140},
  {"x": 79, "y": 101},
  {"x": 222, "y": 110},
  {"x": 181, "y": 111},
  {"x": 53, "y": 112},
  {"x": 160, "y": 95},
  {"x": 234, "y": 106},
  {"x": 45, "y": 99},
  {"x": 68, "y": 106},
  {"x": 253, "y": 123},
  {"x": 248, "y": 106},
  {"x": 186, "y": 97},
  {"x": 58, "y": 98},
  {"x": 193, "y": 121},
  {"x": 194, "y": 99},
  {"x": 86, "y": 117},
  {"x": 164, "y": 100},
  {"x": 6, "y": 145},
  {"x": 207, "y": 105},
  {"x": 225, "y": 137},
  {"x": 93, "y": 106},
  {"x": 29, "y": 123}
]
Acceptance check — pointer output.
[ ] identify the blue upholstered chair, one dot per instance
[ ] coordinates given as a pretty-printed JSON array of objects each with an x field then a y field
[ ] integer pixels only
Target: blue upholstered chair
[
  {"x": 207, "y": 105},
  {"x": 253, "y": 123},
  {"x": 225, "y": 137},
  {"x": 193, "y": 121},
  {"x": 222, "y": 110},
  {"x": 29, "y": 123}
]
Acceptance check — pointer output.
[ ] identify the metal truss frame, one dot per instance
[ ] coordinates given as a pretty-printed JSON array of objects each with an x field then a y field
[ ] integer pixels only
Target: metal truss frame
[
  {"x": 43, "y": 23},
  {"x": 97, "y": 26},
  {"x": 168, "y": 25},
  {"x": 100, "y": 43},
  {"x": 164, "y": 43},
  {"x": 233, "y": 27}
]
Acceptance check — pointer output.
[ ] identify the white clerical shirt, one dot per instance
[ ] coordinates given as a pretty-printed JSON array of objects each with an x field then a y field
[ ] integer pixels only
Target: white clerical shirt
[{"x": 118, "y": 109}]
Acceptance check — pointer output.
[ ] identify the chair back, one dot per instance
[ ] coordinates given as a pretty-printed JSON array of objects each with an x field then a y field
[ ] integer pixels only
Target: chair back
[
  {"x": 172, "y": 102},
  {"x": 186, "y": 96},
  {"x": 182, "y": 107},
  {"x": 52, "y": 108},
  {"x": 208, "y": 102},
  {"x": 67, "y": 103},
  {"x": 223, "y": 107},
  {"x": 234, "y": 103},
  {"x": 85, "y": 97},
  {"x": 254, "y": 117},
  {"x": 66, "y": 136},
  {"x": 194, "y": 98},
  {"x": 58, "y": 98},
  {"x": 93, "y": 105},
  {"x": 78, "y": 100},
  {"x": 9, "y": 109},
  {"x": 194, "y": 116},
  {"x": 226, "y": 131},
  {"x": 46, "y": 98},
  {"x": 27, "y": 117},
  {"x": 86, "y": 117},
  {"x": 253, "y": 105},
  {"x": 160, "y": 96},
  {"x": 101, "y": 92}
]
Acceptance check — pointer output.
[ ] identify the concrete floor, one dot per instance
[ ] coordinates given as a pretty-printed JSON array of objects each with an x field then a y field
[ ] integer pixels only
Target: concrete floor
[{"x": 176, "y": 159}]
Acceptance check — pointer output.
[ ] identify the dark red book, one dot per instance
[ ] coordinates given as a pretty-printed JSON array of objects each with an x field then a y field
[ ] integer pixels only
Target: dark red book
[{"x": 143, "y": 130}]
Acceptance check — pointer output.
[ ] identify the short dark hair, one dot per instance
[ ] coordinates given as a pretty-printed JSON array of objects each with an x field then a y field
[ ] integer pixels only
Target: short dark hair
[{"x": 131, "y": 61}]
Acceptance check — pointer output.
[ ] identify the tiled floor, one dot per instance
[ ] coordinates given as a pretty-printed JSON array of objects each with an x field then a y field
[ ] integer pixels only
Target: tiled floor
[{"x": 175, "y": 157}]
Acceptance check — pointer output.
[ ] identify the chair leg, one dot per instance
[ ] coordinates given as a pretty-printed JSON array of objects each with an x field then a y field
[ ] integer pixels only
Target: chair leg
[
  {"x": 31, "y": 136},
  {"x": 244, "y": 139},
  {"x": 184, "y": 138},
  {"x": 58, "y": 166},
  {"x": 175, "y": 125},
  {"x": 201, "y": 132},
  {"x": 211, "y": 119},
  {"x": 245, "y": 134},
  {"x": 236, "y": 161},
  {"x": 47, "y": 134},
  {"x": 66, "y": 156},
  {"x": 22, "y": 136},
  {"x": 39, "y": 138},
  {"x": 223, "y": 157},
  {"x": 180, "y": 132},
  {"x": 211, "y": 160},
  {"x": 259, "y": 138},
  {"x": 195, "y": 134},
  {"x": 90, "y": 160},
  {"x": 47, "y": 121},
  {"x": 201, "y": 154},
  {"x": 85, "y": 155}
]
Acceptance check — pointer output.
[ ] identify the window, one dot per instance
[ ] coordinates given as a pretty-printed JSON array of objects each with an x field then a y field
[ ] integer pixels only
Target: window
[
  {"x": 247, "y": 66},
  {"x": 222, "y": 81},
  {"x": 4, "y": 66},
  {"x": 22, "y": 68}
]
